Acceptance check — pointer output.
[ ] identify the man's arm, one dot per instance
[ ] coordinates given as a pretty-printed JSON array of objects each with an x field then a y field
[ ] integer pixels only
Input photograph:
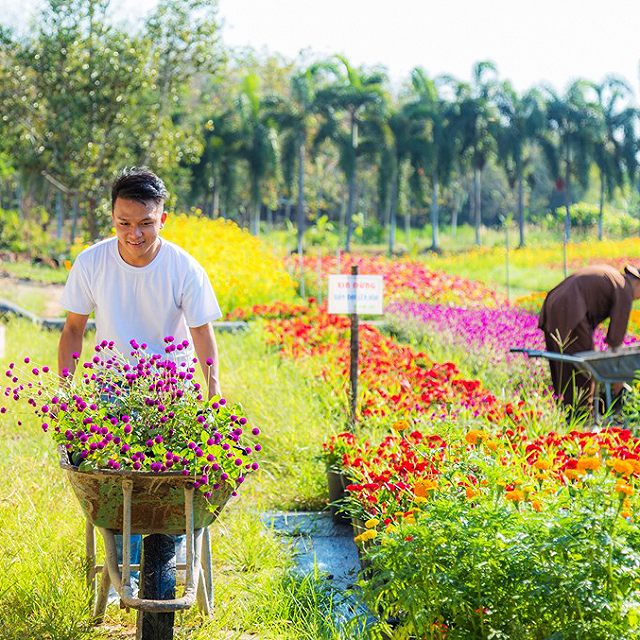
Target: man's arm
[
  {"x": 204, "y": 342},
  {"x": 71, "y": 341}
]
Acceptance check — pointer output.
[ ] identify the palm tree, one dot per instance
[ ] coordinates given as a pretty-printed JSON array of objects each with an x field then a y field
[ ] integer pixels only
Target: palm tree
[
  {"x": 609, "y": 146},
  {"x": 356, "y": 93},
  {"x": 573, "y": 120},
  {"x": 475, "y": 113},
  {"x": 259, "y": 145},
  {"x": 214, "y": 173},
  {"x": 523, "y": 120},
  {"x": 295, "y": 118},
  {"x": 435, "y": 146}
]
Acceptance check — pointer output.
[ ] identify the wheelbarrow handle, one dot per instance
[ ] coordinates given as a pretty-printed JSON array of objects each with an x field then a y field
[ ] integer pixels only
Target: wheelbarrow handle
[{"x": 549, "y": 355}]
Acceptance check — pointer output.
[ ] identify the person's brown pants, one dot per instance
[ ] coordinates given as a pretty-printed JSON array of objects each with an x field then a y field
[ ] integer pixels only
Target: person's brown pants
[{"x": 571, "y": 385}]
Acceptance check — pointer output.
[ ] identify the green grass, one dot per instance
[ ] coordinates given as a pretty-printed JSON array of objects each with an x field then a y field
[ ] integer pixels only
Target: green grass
[
  {"x": 42, "y": 592},
  {"x": 36, "y": 272}
]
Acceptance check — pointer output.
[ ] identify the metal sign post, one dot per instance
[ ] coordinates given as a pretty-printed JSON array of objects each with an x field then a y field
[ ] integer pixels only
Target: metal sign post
[
  {"x": 354, "y": 353},
  {"x": 354, "y": 295}
]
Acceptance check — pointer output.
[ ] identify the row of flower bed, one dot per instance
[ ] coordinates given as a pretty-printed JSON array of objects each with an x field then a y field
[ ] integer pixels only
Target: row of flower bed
[{"x": 479, "y": 517}]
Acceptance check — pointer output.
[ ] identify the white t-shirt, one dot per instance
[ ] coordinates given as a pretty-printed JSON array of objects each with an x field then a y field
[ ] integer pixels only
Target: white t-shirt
[{"x": 146, "y": 304}]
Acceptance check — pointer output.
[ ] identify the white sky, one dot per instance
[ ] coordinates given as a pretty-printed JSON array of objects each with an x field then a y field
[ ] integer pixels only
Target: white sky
[{"x": 530, "y": 41}]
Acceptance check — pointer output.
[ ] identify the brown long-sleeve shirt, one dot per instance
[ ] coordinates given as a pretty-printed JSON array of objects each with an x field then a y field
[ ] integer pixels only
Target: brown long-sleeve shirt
[{"x": 597, "y": 292}]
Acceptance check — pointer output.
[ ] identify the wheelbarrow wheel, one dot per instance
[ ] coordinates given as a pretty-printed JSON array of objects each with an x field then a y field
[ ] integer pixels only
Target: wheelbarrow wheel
[{"x": 157, "y": 582}]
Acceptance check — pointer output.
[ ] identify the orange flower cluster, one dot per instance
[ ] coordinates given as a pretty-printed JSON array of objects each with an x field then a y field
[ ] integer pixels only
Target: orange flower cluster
[{"x": 391, "y": 481}]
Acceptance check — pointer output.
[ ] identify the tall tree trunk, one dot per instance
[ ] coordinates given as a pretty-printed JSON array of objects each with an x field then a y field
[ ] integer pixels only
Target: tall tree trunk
[
  {"x": 601, "y": 212},
  {"x": 92, "y": 222},
  {"x": 215, "y": 212},
  {"x": 59, "y": 215},
  {"x": 407, "y": 224},
  {"x": 457, "y": 201},
  {"x": 476, "y": 203},
  {"x": 434, "y": 213},
  {"x": 393, "y": 210},
  {"x": 521, "y": 208},
  {"x": 74, "y": 220},
  {"x": 343, "y": 217},
  {"x": 352, "y": 183},
  {"x": 300, "y": 212},
  {"x": 567, "y": 197},
  {"x": 254, "y": 226}
]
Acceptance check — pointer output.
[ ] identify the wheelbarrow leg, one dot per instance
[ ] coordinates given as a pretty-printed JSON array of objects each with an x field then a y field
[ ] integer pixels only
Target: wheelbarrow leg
[
  {"x": 90, "y": 557},
  {"x": 100, "y": 605},
  {"x": 207, "y": 570}
]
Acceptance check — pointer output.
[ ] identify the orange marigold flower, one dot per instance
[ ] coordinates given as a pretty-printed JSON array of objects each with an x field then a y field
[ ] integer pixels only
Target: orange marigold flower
[
  {"x": 626, "y": 513},
  {"x": 574, "y": 474},
  {"x": 492, "y": 445},
  {"x": 536, "y": 504},
  {"x": 422, "y": 487},
  {"x": 400, "y": 425},
  {"x": 476, "y": 436},
  {"x": 542, "y": 465},
  {"x": 516, "y": 495},
  {"x": 623, "y": 488},
  {"x": 589, "y": 464},
  {"x": 470, "y": 493},
  {"x": 622, "y": 467}
]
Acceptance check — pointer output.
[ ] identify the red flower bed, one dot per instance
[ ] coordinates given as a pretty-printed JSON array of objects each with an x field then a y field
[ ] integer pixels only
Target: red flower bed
[{"x": 394, "y": 379}]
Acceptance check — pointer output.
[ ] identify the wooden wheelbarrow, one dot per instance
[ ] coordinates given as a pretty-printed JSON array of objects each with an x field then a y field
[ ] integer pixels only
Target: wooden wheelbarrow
[{"x": 135, "y": 502}]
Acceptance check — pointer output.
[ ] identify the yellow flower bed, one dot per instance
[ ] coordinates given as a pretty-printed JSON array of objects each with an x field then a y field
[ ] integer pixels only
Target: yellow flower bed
[
  {"x": 543, "y": 256},
  {"x": 242, "y": 270}
]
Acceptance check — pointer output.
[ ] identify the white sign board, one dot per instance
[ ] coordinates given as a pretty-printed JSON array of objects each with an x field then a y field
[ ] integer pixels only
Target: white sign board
[{"x": 355, "y": 294}]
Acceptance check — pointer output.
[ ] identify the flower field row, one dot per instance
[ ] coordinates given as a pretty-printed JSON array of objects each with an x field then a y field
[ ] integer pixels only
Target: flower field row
[
  {"x": 433, "y": 502},
  {"x": 408, "y": 279},
  {"x": 578, "y": 254},
  {"x": 394, "y": 379},
  {"x": 492, "y": 331}
]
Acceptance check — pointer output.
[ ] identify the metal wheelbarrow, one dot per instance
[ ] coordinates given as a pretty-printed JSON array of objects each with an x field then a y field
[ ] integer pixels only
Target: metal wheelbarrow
[
  {"x": 606, "y": 367},
  {"x": 134, "y": 502}
]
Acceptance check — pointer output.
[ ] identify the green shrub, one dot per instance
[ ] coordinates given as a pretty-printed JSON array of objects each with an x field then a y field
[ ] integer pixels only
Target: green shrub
[{"x": 467, "y": 571}]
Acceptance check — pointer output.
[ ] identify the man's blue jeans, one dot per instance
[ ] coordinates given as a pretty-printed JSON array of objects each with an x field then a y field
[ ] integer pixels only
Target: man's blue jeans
[{"x": 136, "y": 548}]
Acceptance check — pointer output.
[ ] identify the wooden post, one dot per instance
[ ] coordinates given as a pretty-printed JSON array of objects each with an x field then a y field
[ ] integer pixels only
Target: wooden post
[{"x": 354, "y": 352}]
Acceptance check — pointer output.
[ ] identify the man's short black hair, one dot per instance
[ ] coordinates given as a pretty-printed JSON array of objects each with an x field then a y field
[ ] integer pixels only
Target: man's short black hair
[{"x": 139, "y": 184}]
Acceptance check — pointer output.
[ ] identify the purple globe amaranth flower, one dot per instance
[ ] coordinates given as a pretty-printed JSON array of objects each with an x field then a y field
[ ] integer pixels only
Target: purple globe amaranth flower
[
  {"x": 158, "y": 439},
  {"x": 136, "y": 465}
]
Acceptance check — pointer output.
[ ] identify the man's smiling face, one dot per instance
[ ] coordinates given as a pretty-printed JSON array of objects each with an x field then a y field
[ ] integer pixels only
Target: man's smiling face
[{"x": 138, "y": 227}]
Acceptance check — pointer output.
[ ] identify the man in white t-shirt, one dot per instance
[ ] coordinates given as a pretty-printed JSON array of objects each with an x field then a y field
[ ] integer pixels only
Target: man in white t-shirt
[{"x": 140, "y": 286}]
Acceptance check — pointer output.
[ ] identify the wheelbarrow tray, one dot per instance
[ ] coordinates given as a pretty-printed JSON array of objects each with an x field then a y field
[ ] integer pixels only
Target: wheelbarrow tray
[
  {"x": 605, "y": 366},
  {"x": 157, "y": 503}
]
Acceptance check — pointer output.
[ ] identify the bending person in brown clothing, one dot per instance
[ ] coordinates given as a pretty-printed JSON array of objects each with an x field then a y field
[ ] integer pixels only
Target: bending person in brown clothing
[{"x": 569, "y": 316}]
